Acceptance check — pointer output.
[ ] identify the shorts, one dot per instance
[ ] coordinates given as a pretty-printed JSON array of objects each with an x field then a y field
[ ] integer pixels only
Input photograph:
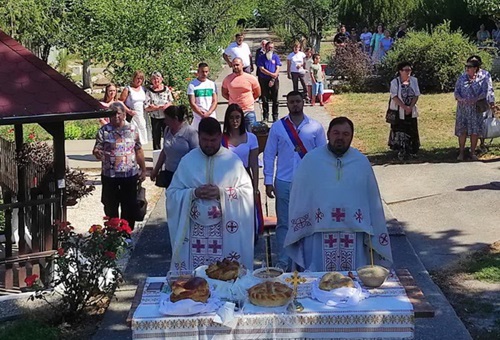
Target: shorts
[{"x": 318, "y": 88}]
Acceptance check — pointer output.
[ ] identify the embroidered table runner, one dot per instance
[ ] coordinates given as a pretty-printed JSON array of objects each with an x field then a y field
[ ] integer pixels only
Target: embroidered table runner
[{"x": 386, "y": 314}]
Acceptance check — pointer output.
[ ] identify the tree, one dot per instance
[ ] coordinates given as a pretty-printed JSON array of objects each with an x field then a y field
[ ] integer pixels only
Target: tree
[
  {"x": 371, "y": 12},
  {"x": 316, "y": 15},
  {"x": 484, "y": 7},
  {"x": 34, "y": 23}
]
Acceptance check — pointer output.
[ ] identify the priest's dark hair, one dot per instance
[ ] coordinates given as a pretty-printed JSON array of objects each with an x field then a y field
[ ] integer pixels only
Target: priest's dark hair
[
  {"x": 340, "y": 121},
  {"x": 210, "y": 126}
]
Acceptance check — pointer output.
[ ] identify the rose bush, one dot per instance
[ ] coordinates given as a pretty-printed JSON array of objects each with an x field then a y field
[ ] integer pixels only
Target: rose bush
[{"x": 85, "y": 268}]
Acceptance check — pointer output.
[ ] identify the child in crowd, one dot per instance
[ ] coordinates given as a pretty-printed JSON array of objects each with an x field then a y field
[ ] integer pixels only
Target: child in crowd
[{"x": 317, "y": 79}]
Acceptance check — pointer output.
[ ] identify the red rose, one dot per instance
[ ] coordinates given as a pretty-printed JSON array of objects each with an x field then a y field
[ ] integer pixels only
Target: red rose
[
  {"x": 110, "y": 254},
  {"x": 30, "y": 280},
  {"x": 60, "y": 251},
  {"x": 113, "y": 223}
]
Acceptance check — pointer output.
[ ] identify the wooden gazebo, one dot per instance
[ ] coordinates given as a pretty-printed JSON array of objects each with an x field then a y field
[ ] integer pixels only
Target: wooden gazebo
[{"x": 33, "y": 92}]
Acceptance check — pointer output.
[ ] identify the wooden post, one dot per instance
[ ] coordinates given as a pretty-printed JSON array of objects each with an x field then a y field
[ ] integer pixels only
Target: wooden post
[
  {"x": 21, "y": 192},
  {"x": 56, "y": 129}
]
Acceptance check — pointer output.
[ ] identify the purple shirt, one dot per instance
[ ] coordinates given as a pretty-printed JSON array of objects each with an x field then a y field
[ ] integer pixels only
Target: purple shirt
[{"x": 269, "y": 65}]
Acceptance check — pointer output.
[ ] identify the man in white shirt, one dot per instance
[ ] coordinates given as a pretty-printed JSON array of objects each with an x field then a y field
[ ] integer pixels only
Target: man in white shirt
[
  {"x": 202, "y": 94},
  {"x": 289, "y": 140},
  {"x": 239, "y": 49}
]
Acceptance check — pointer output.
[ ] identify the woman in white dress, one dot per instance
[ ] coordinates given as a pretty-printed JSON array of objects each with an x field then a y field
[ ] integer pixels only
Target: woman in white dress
[{"x": 134, "y": 96}]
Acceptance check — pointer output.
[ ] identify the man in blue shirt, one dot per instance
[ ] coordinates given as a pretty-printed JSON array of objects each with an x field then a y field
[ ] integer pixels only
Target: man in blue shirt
[{"x": 268, "y": 65}]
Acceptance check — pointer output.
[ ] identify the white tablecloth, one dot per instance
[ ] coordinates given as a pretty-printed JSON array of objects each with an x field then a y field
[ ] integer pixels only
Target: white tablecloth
[{"x": 386, "y": 314}]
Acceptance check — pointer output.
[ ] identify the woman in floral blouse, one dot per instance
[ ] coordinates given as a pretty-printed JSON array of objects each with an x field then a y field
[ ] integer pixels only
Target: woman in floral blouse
[{"x": 158, "y": 98}]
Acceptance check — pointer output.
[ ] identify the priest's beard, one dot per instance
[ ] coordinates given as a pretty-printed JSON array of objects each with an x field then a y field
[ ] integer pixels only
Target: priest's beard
[
  {"x": 339, "y": 147},
  {"x": 269, "y": 55}
]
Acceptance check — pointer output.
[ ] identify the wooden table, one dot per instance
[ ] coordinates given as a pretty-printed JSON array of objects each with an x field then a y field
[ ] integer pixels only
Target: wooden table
[{"x": 384, "y": 316}]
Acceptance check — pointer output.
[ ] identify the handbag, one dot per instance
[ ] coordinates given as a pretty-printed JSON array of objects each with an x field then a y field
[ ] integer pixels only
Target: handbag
[
  {"x": 391, "y": 116},
  {"x": 142, "y": 203},
  {"x": 482, "y": 105},
  {"x": 491, "y": 127},
  {"x": 164, "y": 178}
]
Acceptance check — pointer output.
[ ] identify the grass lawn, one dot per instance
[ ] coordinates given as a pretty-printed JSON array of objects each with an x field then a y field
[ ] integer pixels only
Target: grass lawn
[{"x": 436, "y": 126}]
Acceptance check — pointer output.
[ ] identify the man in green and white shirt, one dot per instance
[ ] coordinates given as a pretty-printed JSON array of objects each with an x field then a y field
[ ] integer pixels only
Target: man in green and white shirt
[{"x": 202, "y": 93}]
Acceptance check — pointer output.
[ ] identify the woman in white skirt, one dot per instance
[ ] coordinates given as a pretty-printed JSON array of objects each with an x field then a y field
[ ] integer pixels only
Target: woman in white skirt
[{"x": 134, "y": 96}]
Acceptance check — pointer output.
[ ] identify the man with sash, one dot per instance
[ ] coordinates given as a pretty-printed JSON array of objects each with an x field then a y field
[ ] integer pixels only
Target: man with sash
[
  {"x": 288, "y": 142},
  {"x": 210, "y": 206},
  {"x": 336, "y": 219}
]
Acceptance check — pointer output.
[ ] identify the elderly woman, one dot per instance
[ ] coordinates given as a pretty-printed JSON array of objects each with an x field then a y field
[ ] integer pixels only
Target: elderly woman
[
  {"x": 158, "y": 98},
  {"x": 470, "y": 90},
  {"x": 134, "y": 96},
  {"x": 404, "y": 136},
  {"x": 178, "y": 139}
]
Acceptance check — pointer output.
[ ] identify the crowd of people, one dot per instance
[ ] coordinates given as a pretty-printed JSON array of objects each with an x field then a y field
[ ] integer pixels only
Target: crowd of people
[
  {"x": 211, "y": 174},
  {"x": 376, "y": 44},
  {"x": 483, "y": 36}
]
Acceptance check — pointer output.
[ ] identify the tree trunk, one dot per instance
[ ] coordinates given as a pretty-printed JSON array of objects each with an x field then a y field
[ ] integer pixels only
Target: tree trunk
[{"x": 87, "y": 80}]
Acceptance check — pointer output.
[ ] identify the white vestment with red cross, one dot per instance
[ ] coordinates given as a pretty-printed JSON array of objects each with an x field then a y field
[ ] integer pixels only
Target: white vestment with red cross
[
  {"x": 335, "y": 209},
  {"x": 205, "y": 231}
]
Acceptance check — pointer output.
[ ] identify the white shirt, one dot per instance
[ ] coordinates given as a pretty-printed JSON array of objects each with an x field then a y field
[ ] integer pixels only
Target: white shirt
[
  {"x": 296, "y": 59},
  {"x": 203, "y": 94},
  {"x": 243, "y": 149},
  {"x": 279, "y": 146},
  {"x": 239, "y": 51}
]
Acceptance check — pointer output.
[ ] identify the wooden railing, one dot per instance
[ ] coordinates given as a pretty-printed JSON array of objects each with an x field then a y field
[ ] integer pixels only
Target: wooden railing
[{"x": 34, "y": 197}]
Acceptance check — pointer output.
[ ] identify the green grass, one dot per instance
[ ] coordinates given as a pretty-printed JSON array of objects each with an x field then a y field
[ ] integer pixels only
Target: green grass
[
  {"x": 27, "y": 330},
  {"x": 77, "y": 129},
  {"x": 436, "y": 126},
  {"x": 485, "y": 267}
]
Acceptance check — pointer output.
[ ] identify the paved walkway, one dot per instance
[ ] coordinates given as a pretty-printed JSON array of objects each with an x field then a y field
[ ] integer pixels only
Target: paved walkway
[{"x": 398, "y": 183}]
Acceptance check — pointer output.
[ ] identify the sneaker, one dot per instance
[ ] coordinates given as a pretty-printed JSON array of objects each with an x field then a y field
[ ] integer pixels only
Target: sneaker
[
  {"x": 460, "y": 158},
  {"x": 474, "y": 158}
]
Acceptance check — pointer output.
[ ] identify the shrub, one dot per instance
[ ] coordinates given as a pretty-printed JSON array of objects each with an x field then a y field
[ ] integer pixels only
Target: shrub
[
  {"x": 72, "y": 131},
  {"x": 85, "y": 267},
  {"x": 352, "y": 63},
  {"x": 438, "y": 57}
]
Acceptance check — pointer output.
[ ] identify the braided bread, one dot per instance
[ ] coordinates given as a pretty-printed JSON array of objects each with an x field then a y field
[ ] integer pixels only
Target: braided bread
[
  {"x": 270, "y": 294},
  {"x": 226, "y": 270}
]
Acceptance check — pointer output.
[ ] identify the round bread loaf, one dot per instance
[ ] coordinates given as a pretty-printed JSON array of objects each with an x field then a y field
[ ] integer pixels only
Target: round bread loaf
[
  {"x": 270, "y": 294},
  {"x": 226, "y": 270},
  {"x": 195, "y": 289},
  {"x": 335, "y": 280}
]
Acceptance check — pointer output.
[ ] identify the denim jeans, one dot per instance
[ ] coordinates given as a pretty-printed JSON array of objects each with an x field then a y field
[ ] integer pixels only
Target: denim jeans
[
  {"x": 250, "y": 120},
  {"x": 282, "y": 190},
  {"x": 318, "y": 88}
]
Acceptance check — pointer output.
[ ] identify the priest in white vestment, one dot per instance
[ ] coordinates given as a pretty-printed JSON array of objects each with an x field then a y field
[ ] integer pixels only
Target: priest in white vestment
[
  {"x": 336, "y": 212},
  {"x": 210, "y": 205}
]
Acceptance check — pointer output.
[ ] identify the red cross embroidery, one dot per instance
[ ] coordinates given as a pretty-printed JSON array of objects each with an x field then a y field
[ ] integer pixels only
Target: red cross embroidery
[
  {"x": 346, "y": 240},
  {"x": 231, "y": 194},
  {"x": 338, "y": 214},
  {"x": 330, "y": 241},
  {"x": 214, "y": 212},
  {"x": 198, "y": 246},
  {"x": 215, "y": 246},
  {"x": 383, "y": 239},
  {"x": 358, "y": 215},
  {"x": 232, "y": 227}
]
